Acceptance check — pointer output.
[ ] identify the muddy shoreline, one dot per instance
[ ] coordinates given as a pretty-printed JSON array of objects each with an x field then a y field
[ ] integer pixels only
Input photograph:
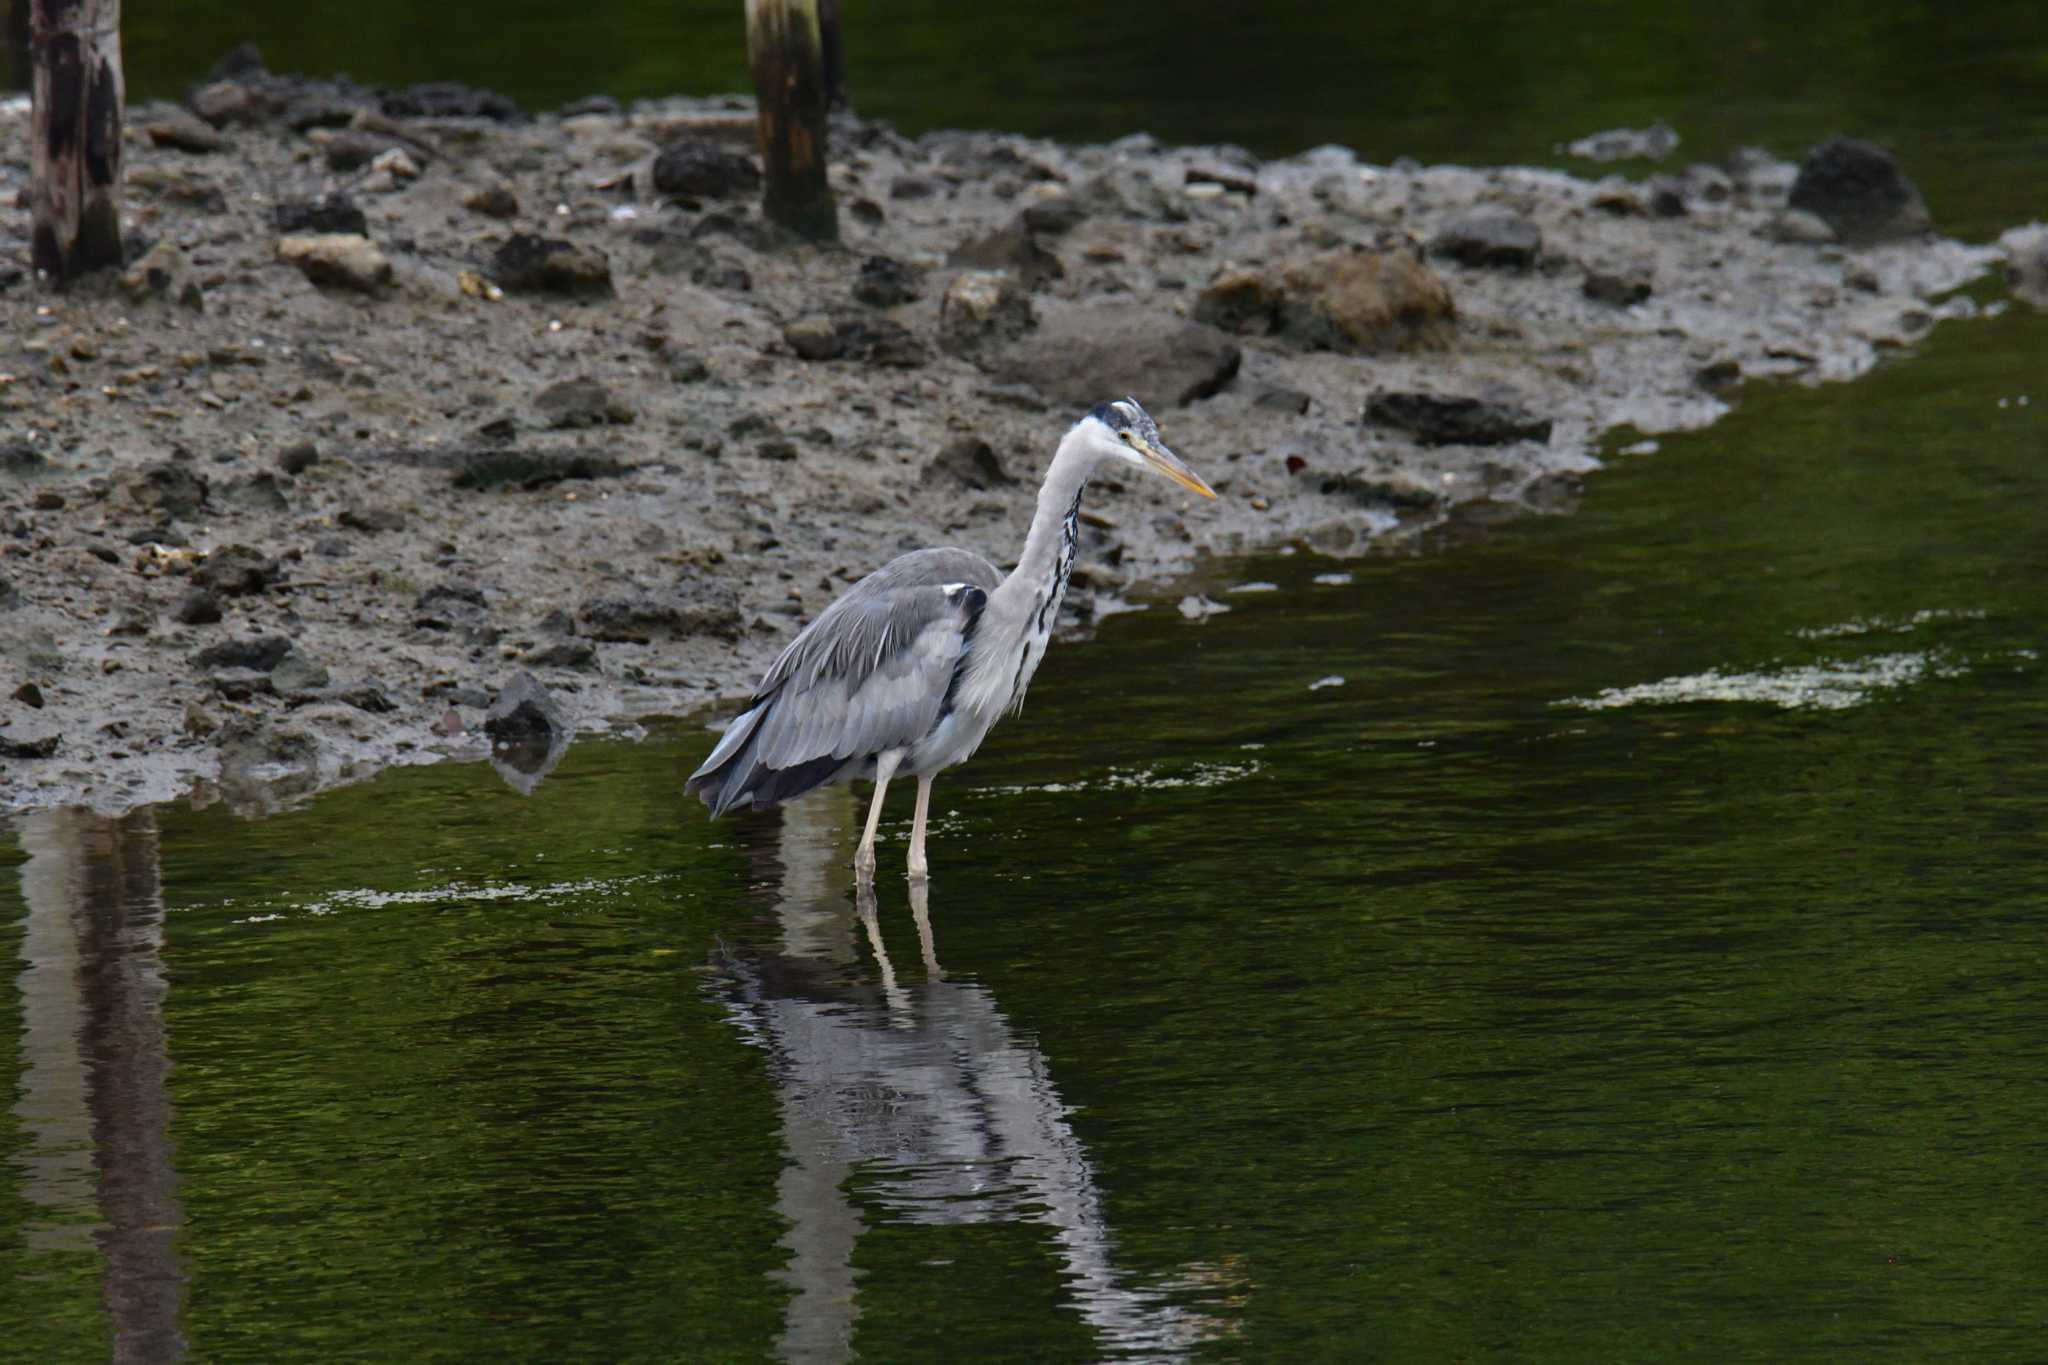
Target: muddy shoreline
[{"x": 402, "y": 400}]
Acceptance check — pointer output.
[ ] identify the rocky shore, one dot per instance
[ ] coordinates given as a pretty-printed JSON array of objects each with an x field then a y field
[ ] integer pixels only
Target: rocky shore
[{"x": 406, "y": 395}]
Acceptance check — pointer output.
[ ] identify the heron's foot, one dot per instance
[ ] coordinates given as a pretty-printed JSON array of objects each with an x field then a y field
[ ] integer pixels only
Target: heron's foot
[
  {"x": 920, "y": 870},
  {"x": 864, "y": 862}
]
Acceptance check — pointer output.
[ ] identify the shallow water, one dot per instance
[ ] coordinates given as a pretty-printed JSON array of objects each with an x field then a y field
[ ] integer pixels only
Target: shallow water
[{"x": 1620, "y": 937}]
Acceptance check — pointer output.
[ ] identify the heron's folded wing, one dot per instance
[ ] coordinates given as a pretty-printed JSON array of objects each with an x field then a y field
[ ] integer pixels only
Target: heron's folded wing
[{"x": 870, "y": 674}]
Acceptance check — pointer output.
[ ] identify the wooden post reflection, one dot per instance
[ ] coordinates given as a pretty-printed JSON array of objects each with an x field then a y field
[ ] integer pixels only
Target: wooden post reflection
[{"x": 95, "y": 1094}]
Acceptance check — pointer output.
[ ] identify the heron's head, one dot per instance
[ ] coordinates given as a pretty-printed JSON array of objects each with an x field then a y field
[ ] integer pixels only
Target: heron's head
[{"x": 1125, "y": 432}]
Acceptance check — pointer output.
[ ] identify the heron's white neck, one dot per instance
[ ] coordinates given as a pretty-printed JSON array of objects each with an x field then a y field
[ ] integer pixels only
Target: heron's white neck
[{"x": 1072, "y": 463}]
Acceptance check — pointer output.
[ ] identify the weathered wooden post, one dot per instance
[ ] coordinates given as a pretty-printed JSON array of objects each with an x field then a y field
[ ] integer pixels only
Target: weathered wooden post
[
  {"x": 75, "y": 136},
  {"x": 785, "y": 50}
]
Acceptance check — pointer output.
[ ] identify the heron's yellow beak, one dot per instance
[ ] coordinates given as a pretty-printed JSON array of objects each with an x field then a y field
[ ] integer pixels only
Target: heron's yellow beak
[{"x": 1172, "y": 466}]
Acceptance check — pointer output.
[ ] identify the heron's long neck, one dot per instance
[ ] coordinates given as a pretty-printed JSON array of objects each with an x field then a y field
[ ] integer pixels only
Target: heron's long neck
[{"x": 1040, "y": 578}]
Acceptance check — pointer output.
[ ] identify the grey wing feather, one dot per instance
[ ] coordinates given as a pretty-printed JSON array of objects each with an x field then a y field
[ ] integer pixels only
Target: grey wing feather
[{"x": 870, "y": 674}]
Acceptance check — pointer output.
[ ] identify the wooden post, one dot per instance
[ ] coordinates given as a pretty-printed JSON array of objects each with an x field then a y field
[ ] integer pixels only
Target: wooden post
[
  {"x": 832, "y": 43},
  {"x": 75, "y": 136},
  {"x": 785, "y": 49}
]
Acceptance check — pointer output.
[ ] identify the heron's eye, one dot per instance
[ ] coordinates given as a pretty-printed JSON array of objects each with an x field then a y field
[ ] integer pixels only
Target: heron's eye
[{"x": 1124, "y": 436}]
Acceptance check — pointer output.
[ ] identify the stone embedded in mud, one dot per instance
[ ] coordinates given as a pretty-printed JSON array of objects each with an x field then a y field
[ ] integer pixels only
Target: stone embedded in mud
[
  {"x": 163, "y": 273},
  {"x": 19, "y": 457},
  {"x": 693, "y": 609},
  {"x": 1079, "y": 354},
  {"x": 1054, "y": 214},
  {"x": 29, "y": 695},
  {"x": 28, "y": 748},
  {"x": 1292, "y": 401},
  {"x": 237, "y": 571},
  {"x": 876, "y": 341},
  {"x": 1013, "y": 248},
  {"x": 298, "y": 217},
  {"x": 533, "y": 468},
  {"x": 545, "y": 265},
  {"x": 577, "y": 654},
  {"x": 1858, "y": 190},
  {"x": 698, "y": 168},
  {"x": 1399, "y": 492},
  {"x": 260, "y": 654},
  {"x": 1438, "y": 419},
  {"x": 368, "y": 697},
  {"x": 1798, "y": 227},
  {"x": 812, "y": 338},
  {"x": 338, "y": 260},
  {"x": 224, "y": 102},
  {"x": 885, "y": 282},
  {"x": 297, "y": 673},
  {"x": 298, "y": 458},
  {"x": 371, "y": 520},
  {"x": 970, "y": 462},
  {"x": 449, "y": 99},
  {"x": 1622, "y": 286},
  {"x": 198, "y": 607},
  {"x": 494, "y": 201},
  {"x": 182, "y": 131},
  {"x": 169, "y": 488},
  {"x": 1496, "y": 240},
  {"x": 581, "y": 402},
  {"x": 982, "y": 307},
  {"x": 1382, "y": 297}
]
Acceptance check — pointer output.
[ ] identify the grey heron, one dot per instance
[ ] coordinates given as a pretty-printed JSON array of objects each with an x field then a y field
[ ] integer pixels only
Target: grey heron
[{"x": 906, "y": 671}]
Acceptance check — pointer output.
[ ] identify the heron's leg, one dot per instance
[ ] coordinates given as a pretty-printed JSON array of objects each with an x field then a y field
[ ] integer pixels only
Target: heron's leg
[
  {"x": 919, "y": 868},
  {"x": 864, "y": 856}
]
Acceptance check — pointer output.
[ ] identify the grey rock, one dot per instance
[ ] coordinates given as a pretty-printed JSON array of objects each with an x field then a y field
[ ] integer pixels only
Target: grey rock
[
  {"x": 1292, "y": 401},
  {"x": 982, "y": 307},
  {"x": 1437, "y": 419},
  {"x": 581, "y": 402},
  {"x": 1362, "y": 300},
  {"x": 700, "y": 169},
  {"x": 1857, "y": 189},
  {"x": 692, "y": 609},
  {"x": 1798, "y": 227},
  {"x": 371, "y": 520},
  {"x": 1499, "y": 240},
  {"x": 163, "y": 273},
  {"x": 525, "y": 712},
  {"x": 872, "y": 340},
  {"x": 260, "y": 654},
  {"x": 169, "y": 488},
  {"x": 297, "y": 459},
  {"x": 494, "y": 201},
  {"x": 19, "y": 457},
  {"x": 885, "y": 282},
  {"x": 1084, "y": 354},
  {"x": 508, "y": 467},
  {"x": 912, "y": 187},
  {"x": 1054, "y": 215},
  {"x": 577, "y": 654},
  {"x": 969, "y": 462},
  {"x": 1622, "y": 286},
  {"x": 542, "y": 265},
  {"x": 182, "y": 131},
  {"x": 297, "y": 673},
  {"x": 1015, "y": 249},
  {"x": 197, "y": 607},
  {"x": 338, "y": 260},
  {"x": 298, "y": 216},
  {"x": 237, "y": 571},
  {"x": 368, "y": 697},
  {"x": 44, "y": 747}
]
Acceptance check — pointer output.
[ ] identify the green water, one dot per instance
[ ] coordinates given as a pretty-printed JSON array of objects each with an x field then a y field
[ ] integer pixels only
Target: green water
[{"x": 1419, "y": 1016}]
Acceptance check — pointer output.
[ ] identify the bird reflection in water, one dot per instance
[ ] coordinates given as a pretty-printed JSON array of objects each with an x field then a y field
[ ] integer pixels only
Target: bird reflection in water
[{"x": 920, "y": 1089}]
